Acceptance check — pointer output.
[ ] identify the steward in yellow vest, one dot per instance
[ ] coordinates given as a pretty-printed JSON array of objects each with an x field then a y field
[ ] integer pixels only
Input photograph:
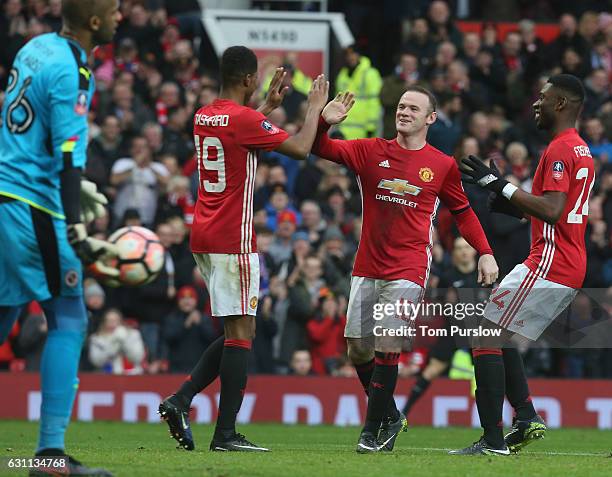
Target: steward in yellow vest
[{"x": 362, "y": 79}]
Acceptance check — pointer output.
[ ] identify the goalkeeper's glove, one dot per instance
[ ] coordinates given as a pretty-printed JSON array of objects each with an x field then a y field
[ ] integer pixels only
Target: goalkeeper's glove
[
  {"x": 480, "y": 174},
  {"x": 92, "y": 202},
  {"x": 91, "y": 250},
  {"x": 501, "y": 205}
]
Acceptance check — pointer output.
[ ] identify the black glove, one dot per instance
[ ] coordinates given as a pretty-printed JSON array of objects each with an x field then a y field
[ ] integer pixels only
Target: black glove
[
  {"x": 480, "y": 174},
  {"x": 501, "y": 205}
]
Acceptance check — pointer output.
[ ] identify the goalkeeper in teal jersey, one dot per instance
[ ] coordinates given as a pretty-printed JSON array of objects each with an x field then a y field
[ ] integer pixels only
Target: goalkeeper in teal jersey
[{"x": 43, "y": 141}]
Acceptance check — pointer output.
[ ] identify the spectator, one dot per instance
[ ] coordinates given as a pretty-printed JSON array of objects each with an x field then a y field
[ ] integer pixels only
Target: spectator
[
  {"x": 176, "y": 140},
  {"x": 600, "y": 146},
  {"x": 533, "y": 51},
  {"x": 446, "y": 131},
  {"x": 154, "y": 134},
  {"x": 361, "y": 78},
  {"x": 420, "y": 42},
  {"x": 597, "y": 87},
  {"x": 102, "y": 152},
  {"x": 115, "y": 348},
  {"x": 301, "y": 363},
  {"x": 262, "y": 358},
  {"x": 139, "y": 182},
  {"x": 186, "y": 331},
  {"x": 280, "y": 249},
  {"x": 279, "y": 203},
  {"x": 406, "y": 73},
  {"x": 128, "y": 108},
  {"x": 95, "y": 301},
  {"x": 303, "y": 296},
  {"x": 294, "y": 99},
  {"x": 53, "y": 16},
  {"x": 326, "y": 334},
  {"x": 440, "y": 24},
  {"x": 337, "y": 265},
  {"x": 299, "y": 81},
  {"x": 312, "y": 222},
  {"x": 584, "y": 362},
  {"x": 569, "y": 37},
  {"x": 290, "y": 269},
  {"x": 470, "y": 48},
  {"x": 601, "y": 54}
]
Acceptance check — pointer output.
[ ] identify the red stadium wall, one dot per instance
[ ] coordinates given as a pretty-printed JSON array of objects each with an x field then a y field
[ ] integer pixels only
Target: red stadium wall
[
  {"x": 310, "y": 400},
  {"x": 546, "y": 31}
]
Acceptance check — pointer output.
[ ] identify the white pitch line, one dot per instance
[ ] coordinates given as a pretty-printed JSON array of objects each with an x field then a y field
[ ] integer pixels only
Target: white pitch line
[
  {"x": 585, "y": 454},
  {"x": 441, "y": 449}
]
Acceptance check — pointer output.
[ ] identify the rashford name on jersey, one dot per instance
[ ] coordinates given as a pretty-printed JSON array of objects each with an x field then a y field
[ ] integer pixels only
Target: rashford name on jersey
[
  {"x": 217, "y": 120},
  {"x": 228, "y": 138}
]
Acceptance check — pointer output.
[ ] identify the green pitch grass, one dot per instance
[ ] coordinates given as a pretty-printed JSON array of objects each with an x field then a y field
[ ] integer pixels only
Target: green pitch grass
[{"x": 147, "y": 450}]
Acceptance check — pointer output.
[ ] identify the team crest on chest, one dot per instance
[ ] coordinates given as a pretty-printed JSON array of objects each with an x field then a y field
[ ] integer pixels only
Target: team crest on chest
[{"x": 426, "y": 174}]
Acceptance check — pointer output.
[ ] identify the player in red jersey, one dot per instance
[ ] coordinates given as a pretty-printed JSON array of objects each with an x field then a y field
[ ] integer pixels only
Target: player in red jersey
[
  {"x": 531, "y": 296},
  {"x": 402, "y": 182},
  {"x": 228, "y": 137}
]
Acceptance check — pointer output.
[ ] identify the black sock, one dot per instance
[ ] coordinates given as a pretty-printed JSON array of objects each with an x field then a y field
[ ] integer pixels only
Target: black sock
[
  {"x": 517, "y": 389},
  {"x": 382, "y": 386},
  {"x": 364, "y": 371},
  {"x": 415, "y": 394},
  {"x": 233, "y": 374},
  {"x": 203, "y": 373},
  {"x": 490, "y": 390}
]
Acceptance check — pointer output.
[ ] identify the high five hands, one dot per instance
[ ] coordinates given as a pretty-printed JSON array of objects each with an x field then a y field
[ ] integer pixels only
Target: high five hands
[{"x": 337, "y": 109}]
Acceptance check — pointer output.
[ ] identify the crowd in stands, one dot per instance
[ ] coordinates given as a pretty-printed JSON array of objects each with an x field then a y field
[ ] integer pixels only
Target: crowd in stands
[{"x": 307, "y": 217}]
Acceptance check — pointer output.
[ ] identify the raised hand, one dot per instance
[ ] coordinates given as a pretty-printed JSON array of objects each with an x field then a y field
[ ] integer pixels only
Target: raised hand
[
  {"x": 486, "y": 177},
  {"x": 276, "y": 92},
  {"x": 337, "y": 109},
  {"x": 319, "y": 91}
]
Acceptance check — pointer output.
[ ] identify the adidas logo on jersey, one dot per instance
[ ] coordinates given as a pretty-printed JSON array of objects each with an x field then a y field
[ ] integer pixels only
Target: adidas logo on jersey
[{"x": 384, "y": 163}]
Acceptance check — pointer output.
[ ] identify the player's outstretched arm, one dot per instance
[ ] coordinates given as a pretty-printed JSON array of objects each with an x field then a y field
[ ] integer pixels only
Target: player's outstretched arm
[
  {"x": 276, "y": 92},
  {"x": 338, "y": 108},
  {"x": 547, "y": 207},
  {"x": 88, "y": 249},
  {"x": 299, "y": 146}
]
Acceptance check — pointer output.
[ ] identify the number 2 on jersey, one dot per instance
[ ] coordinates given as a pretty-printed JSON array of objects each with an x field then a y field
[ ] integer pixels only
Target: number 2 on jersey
[
  {"x": 574, "y": 217},
  {"x": 217, "y": 165}
]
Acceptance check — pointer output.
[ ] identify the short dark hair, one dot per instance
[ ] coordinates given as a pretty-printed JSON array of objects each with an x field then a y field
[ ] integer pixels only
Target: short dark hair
[
  {"x": 570, "y": 85},
  {"x": 78, "y": 12},
  {"x": 236, "y": 63},
  {"x": 433, "y": 102}
]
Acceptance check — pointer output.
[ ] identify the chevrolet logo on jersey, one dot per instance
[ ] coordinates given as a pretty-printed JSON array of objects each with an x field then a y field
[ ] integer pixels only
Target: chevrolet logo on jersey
[{"x": 399, "y": 187}]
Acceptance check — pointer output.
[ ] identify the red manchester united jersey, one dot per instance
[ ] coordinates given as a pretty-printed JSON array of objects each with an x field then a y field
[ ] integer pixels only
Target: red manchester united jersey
[
  {"x": 401, "y": 190},
  {"x": 227, "y": 140},
  {"x": 558, "y": 251}
]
